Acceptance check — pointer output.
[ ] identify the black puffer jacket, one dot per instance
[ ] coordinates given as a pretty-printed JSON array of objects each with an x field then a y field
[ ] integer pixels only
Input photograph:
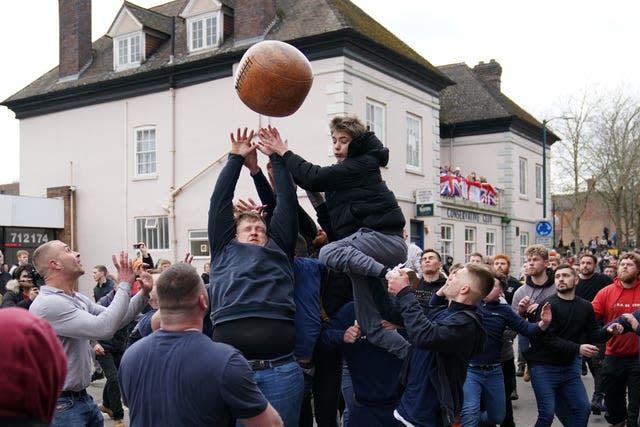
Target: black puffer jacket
[{"x": 355, "y": 192}]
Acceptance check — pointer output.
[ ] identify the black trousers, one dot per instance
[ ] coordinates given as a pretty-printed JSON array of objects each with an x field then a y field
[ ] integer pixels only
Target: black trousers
[
  {"x": 111, "y": 397},
  {"x": 621, "y": 379}
]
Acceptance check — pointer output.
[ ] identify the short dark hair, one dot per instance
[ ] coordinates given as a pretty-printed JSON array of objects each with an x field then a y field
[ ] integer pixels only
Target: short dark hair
[
  {"x": 18, "y": 271},
  {"x": 566, "y": 266},
  {"x": 302, "y": 249},
  {"x": 502, "y": 279},
  {"x": 432, "y": 251},
  {"x": 102, "y": 269},
  {"x": 178, "y": 288},
  {"x": 593, "y": 258},
  {"x": 350, "y": 124}
]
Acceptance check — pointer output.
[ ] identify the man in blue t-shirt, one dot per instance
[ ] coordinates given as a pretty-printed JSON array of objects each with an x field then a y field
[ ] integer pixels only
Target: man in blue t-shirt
[{"x": 178, "y": 376}]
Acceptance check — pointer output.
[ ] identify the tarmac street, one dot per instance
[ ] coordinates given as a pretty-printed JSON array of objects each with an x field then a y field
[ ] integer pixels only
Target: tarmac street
[{"x": 524, "y": 409}]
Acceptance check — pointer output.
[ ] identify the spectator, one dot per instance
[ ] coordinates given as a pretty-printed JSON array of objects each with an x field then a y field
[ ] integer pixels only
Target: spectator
[
  {"x": 538, "y": 286},
  {"x": 216, "y": 382},
  {"x": 23, "y": 259},
  {"x": 21, "y": 292},
  {"x": 104, "y": 284},
  {"x": 33, "y": 366},
  {"x": 620, "y": 372}
]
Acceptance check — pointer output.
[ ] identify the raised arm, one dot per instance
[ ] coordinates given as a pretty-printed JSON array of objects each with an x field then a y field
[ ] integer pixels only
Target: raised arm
[{"x": 221, "y": 222}]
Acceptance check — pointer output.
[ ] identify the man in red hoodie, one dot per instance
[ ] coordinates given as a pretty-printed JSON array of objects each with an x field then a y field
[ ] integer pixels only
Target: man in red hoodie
[{"x": 621, "y": 369}]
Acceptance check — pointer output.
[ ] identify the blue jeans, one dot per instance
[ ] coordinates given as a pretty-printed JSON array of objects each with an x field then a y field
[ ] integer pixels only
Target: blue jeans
[
  {"x": 487, "y": 383},
  {"x": 562, "y": 383},
  {"x": 363, "y": 255},
  {"x": 283, "y": 387},
  {"x": 347, "y": 394},
  {"x": 78, "y": 412}
]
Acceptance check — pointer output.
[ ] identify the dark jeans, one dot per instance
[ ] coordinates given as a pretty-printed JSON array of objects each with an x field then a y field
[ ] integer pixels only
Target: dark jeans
[
  {"x": 552, "y": 383},
  {"x": 111, "y": 397},
  {"x": 621, "y": 377},
  {"x": 509, "y": 374}
]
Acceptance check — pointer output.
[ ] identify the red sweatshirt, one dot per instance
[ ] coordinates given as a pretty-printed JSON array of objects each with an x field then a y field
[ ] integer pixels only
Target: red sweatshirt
[{"x": 610, "y": 303}]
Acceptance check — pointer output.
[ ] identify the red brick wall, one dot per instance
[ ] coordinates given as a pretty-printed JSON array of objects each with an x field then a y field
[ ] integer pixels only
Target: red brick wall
[
  {"x": 75, "y": 35},
  {"x": 69, "y": 232}
]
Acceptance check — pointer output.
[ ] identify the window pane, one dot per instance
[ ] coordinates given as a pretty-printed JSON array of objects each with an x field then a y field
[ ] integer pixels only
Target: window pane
[
  {"x": 145, "y": 151},
  {"x": 156, "y": 237},
  {"x": 135, "y": 49},
  {"x": 196, "y": 34},
  {"x": 123, "y": 56},
  {"x": 413, "y": 142},
  {"x": 211, "y": 24}
]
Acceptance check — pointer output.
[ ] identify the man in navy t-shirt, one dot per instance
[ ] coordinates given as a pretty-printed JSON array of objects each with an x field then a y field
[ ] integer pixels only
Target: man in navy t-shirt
[{"x": 178, "y": 376}]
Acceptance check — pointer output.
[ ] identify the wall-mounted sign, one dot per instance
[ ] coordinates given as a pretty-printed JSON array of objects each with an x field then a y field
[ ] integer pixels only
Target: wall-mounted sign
[
  {"x": 471, "y": 216},
  {"x": 424, "y": 209}
]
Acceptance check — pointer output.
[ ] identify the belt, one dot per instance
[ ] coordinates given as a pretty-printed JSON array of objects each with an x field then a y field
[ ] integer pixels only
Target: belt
[
  {"x": 259, "y": 365},
  {"x": 485, "y": 367},
  {"x": 77, "y": 395}
]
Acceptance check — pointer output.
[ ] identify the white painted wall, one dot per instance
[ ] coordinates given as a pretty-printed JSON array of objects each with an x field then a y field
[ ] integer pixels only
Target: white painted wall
[{"x": 92, "y": 148}]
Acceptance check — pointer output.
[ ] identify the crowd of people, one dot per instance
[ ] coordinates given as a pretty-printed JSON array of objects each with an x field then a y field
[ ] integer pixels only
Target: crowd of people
[{"x": 292, "y": 324}]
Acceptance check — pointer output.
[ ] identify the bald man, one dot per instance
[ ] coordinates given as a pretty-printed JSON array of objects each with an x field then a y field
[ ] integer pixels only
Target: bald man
[{"x": 77, "y": 320}]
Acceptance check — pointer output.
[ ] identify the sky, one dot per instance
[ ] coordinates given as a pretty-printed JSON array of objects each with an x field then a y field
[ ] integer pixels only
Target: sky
[{"x": 549, "y": 50}]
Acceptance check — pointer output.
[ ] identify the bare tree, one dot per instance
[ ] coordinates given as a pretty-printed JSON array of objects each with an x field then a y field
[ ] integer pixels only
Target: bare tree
[
  {"x": 617, "y": 153},
  {"x": 573, "y": 171}
]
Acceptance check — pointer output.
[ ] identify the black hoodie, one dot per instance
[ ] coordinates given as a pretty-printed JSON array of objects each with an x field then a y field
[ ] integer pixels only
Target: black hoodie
[{"x": 355, "y": 192}]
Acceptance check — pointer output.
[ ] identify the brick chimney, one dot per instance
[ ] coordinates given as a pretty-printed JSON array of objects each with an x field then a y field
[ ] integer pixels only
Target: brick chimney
[
  {"x": 75, "y": 37},
  {"x": 252, "y": 19},
  {"x": 490, "y": 73}
]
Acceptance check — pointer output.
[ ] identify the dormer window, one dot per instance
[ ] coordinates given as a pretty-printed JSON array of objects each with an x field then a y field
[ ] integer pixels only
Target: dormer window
[
  {"x": 128, "y": 51},
  {"x": 203, "y": 31}
]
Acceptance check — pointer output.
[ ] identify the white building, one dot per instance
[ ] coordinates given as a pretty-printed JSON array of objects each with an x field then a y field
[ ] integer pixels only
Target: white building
[{"x": 138, "y": 123}]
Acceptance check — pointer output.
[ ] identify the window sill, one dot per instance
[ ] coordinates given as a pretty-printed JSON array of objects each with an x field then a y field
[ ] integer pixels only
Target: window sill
[
  {"x": 145, "y": 177},
  {"x": 523, "y": 197},
  {"x": 413, "y": 171}
]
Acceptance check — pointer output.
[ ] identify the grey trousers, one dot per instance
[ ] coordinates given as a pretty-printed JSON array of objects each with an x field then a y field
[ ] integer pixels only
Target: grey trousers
[{"x": 363, "y": 255}]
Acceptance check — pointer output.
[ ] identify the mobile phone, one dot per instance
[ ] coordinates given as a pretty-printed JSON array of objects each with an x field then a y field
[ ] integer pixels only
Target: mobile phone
[{"x": 136, "y": 246}]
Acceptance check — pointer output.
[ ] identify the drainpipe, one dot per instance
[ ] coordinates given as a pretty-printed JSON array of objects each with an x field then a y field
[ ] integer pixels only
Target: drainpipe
[{"x": 172, "y": 152}]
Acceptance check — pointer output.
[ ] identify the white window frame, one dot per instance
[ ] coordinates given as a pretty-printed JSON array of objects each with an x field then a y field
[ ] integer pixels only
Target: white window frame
[
  {"x": 127, "y": 59},
  {"x": 524, "y": 244},
  {"x": 215, "y": 33},
  {"x": 539, "y": 180},
  {"x": 414, "y": 142},
  {"x": 446, "y": 240},
  {"x": 490, "y": 243},
  {"x": 522, "y": 174},
  {"x": 470, "y": 234},
  {"x": 155, "y": 238},
  {"x": 145, "y": 155},
  {"x": 200, "y": 238},
  {"x": 375, "y": 118}
]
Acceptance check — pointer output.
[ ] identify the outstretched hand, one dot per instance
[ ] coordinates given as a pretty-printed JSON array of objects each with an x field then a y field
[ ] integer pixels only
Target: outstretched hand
[
  {"x": 545, "y": 316},
  {"x": 123, "y": 267},
  {"x": 270, "y": 141},
  {"x": 241, "y": 143}
]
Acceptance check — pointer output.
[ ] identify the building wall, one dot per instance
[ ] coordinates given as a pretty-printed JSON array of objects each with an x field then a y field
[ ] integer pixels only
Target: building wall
[{"x": 92, "y": 150}]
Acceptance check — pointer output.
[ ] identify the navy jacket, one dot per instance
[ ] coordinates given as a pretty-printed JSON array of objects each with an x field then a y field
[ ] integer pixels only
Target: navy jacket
[
  {"x": 248, "y": 280},
  {"x": 444, "y": 339}
]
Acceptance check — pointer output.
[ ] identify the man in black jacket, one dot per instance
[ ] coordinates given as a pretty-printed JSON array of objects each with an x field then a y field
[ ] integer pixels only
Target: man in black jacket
[{"x": 555, "y": 357}]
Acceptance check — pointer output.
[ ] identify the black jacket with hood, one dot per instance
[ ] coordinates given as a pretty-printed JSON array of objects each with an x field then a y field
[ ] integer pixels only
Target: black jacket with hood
[{"x": 355, "y": 192}]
